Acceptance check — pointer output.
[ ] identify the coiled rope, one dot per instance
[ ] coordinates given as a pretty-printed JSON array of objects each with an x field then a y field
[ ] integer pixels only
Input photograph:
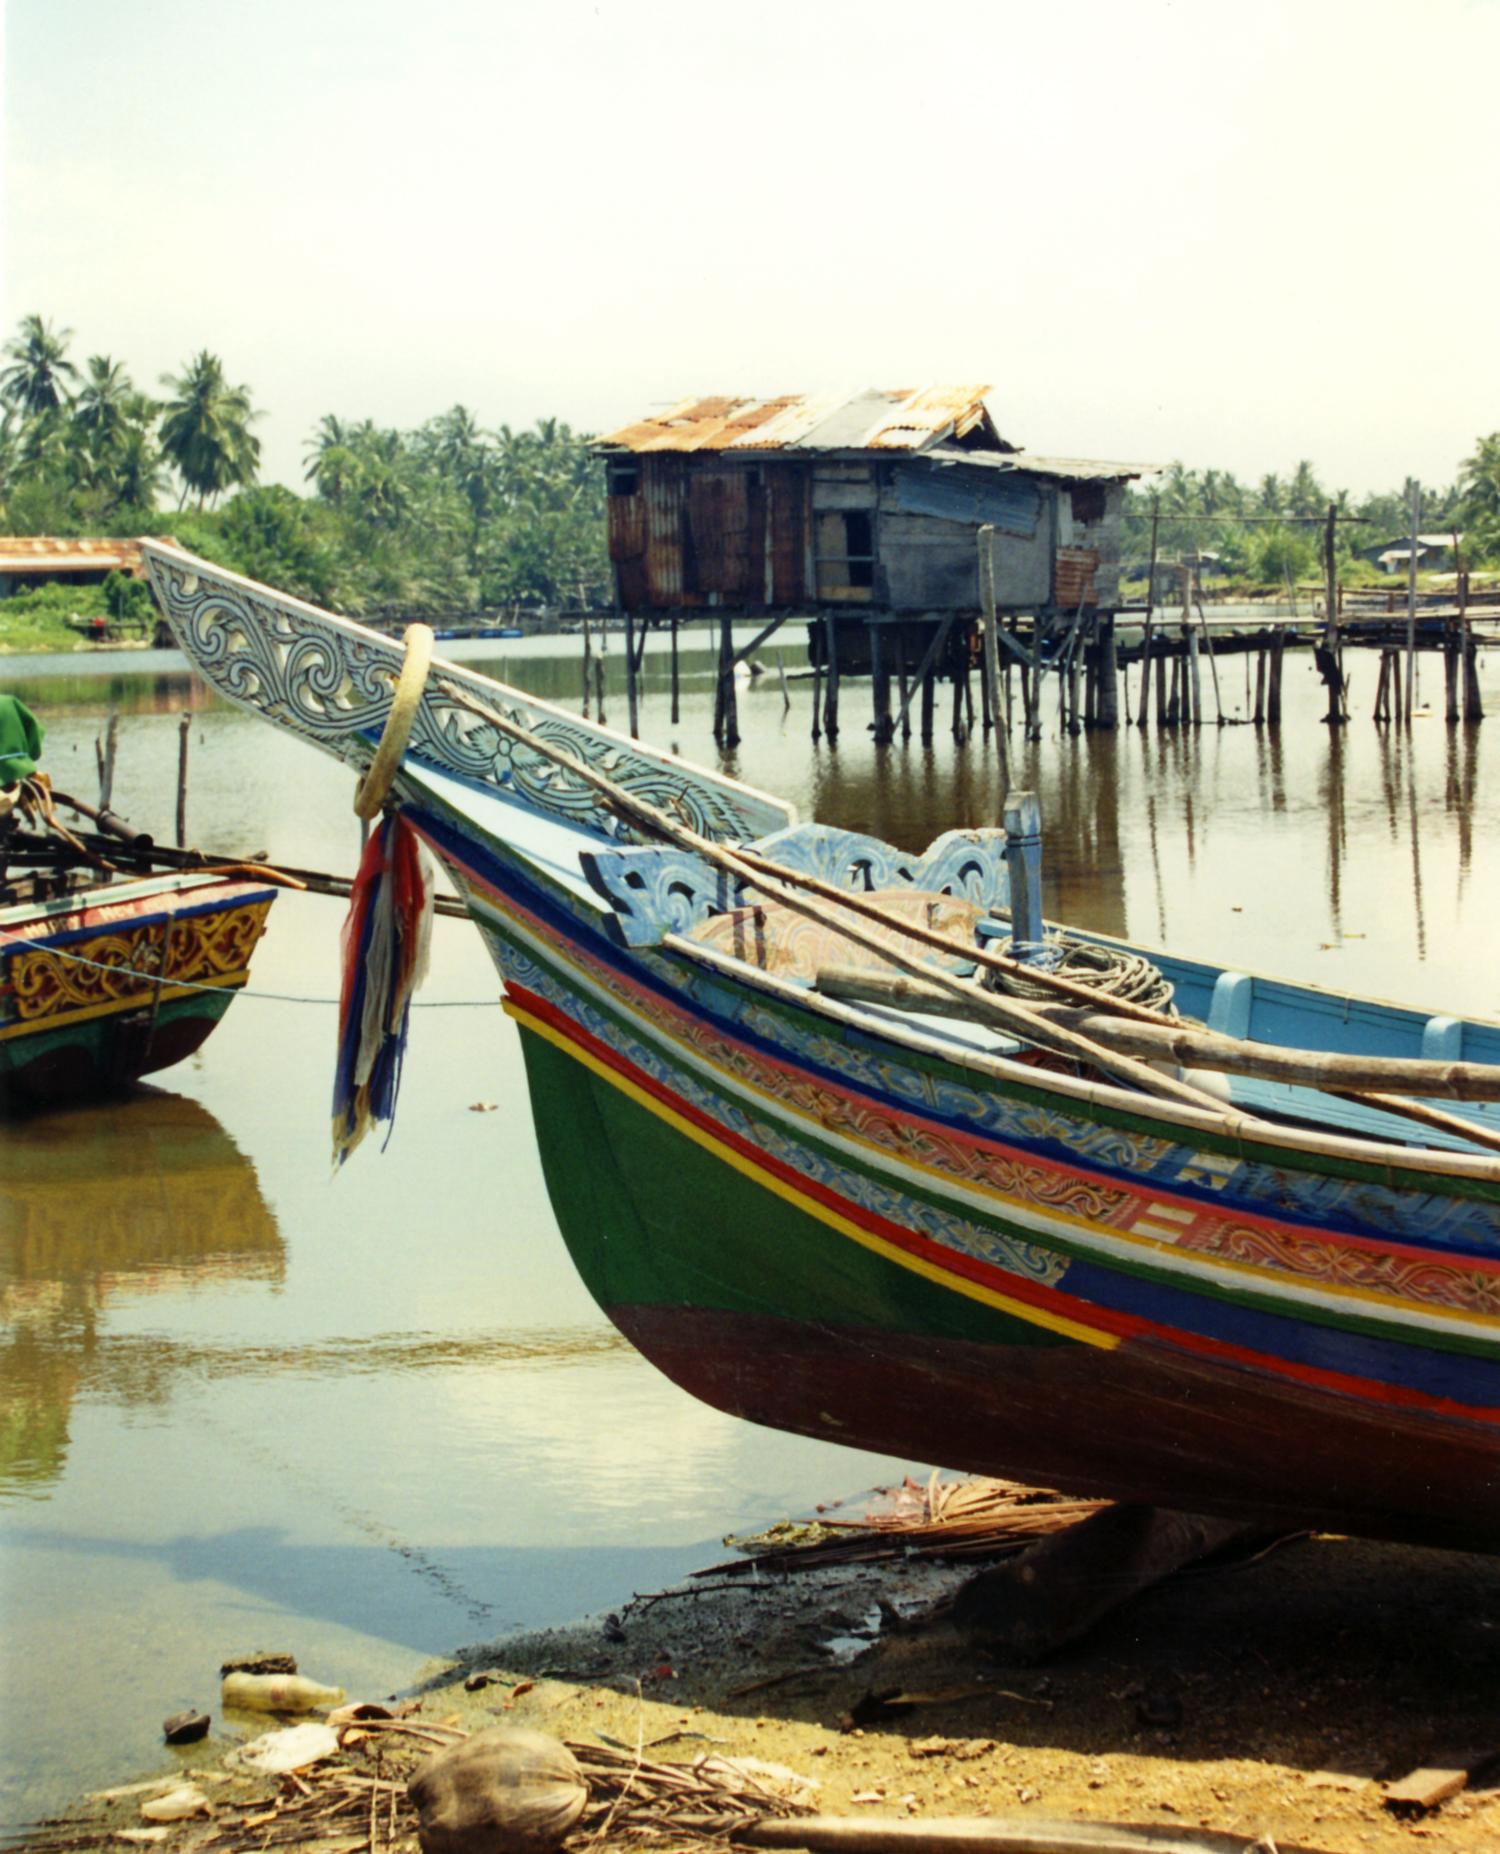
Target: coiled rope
[{"x": 1110, "y": 971}]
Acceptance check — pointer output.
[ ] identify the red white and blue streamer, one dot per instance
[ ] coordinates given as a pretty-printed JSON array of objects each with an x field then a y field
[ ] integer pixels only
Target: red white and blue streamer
[{"x": 385, "y": 945}]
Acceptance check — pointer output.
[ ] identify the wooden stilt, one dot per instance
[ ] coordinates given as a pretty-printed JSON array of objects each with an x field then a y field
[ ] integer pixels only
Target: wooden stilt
[
  {"x": 676, "y": 686},
  {"x": 630, "y": 687},
  {"x": 831, "y": 693},
  {"x": 1109, "y": 672},
  {"x": 726, "y": 679},
  {"x": 882, "y": 726},
  {"x": 1273, "y": 698},
  {"x": 1473, "y": 700},
  {"x": 588, "y": 666},
  {"x": 1260, "y": 687}
]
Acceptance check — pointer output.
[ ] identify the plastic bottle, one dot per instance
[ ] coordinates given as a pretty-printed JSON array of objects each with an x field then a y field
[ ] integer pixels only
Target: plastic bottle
[{"x": 277, "y": 1693}]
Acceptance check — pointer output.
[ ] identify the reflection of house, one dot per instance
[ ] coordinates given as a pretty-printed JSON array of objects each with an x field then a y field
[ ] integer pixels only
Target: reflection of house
[
  {"x": 28, "y": 560},
  {"x": 870, "y": 501},
  {"x": 1434, "y": 553}
]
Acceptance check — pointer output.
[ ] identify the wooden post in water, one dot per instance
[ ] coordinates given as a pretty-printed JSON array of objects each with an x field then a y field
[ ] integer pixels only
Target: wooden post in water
[
  {"x": 831, "y": 696},
  {"x": 676, "y": 684},
  {"x": 786, "y": 694},
  {"x": 1273, "y": 696},
  {"x": 903, "y": 684},
  {"x": 588, "y": 651},
  {"x": 1161, "y": 688},
  {"x": 184, "y": 728},
  {"x": 105, "y": 753},
  {"x": 726, "y": 678},
  {"x": 630, "y": 691},
  {"x": 1150, "y": 610},
  {"x": 817, "y": 718},
  {"x": 883, "y": 726},
  {"x": 1411, "y": 598},
  {"x": 1109, "y": 672},
  {"x": 1260, "y": 686},
  {"x": 599, "y": 688},
  {"x": 987, "y": 614}
]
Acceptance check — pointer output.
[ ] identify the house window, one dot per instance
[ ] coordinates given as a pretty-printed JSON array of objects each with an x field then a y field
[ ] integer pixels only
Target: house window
[
  {"x": 623, "y": 479},
  {"x": 846, "y": 553}
]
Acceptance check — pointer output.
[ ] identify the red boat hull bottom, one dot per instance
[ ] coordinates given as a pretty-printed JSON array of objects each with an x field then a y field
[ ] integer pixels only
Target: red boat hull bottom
[{"x": 1203, "y": 1438}]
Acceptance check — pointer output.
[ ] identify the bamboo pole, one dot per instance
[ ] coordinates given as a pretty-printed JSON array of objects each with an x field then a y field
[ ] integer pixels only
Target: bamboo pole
[
  {"x": 1192, "y": 1048},
  {"x": 184, "y": 728},
  {"x": 791, "y": 888}
]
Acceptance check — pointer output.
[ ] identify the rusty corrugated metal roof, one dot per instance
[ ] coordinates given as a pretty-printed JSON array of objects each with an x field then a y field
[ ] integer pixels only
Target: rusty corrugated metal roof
[
  {"x": 901, "y": 420},
  {"x": 65, "y": 553}
]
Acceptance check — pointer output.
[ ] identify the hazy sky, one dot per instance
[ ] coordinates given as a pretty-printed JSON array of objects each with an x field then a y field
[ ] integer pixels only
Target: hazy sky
[{"x": 1235, "y": 234}]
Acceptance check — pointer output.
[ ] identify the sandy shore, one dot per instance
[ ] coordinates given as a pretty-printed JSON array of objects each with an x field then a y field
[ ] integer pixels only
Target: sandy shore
[{"x": 1270, "y": 1699}]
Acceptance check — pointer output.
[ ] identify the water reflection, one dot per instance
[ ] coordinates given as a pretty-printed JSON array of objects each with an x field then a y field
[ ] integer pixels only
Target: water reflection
[{"x": 148, "y": 1196}]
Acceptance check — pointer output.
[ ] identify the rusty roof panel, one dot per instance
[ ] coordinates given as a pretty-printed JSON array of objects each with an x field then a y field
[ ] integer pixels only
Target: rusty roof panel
[
  {"x": 792, "y": 422},
  {"x": 930, "y": 413},
  {"x": 869, "y": 420}
]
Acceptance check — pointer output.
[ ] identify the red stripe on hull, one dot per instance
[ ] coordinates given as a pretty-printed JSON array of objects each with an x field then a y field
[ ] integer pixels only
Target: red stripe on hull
[
  {"x": 1119, "y": 1326},
  {"x": 1267, "y": 1452}
]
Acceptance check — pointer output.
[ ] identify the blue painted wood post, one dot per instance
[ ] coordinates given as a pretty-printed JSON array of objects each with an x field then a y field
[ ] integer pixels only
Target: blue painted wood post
[{"x": 1023, "y": 864}]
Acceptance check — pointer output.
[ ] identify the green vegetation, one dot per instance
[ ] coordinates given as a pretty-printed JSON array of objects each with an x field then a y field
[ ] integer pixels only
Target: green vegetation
[
  {"x": 454, "y": 518},
  {"x": 447, "y": 518},
  {"x": 1271, "y": 535}
]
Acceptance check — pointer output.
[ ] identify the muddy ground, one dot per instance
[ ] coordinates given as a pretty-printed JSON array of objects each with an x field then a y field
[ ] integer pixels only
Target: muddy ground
[{"x": 1271, "y": 1698}]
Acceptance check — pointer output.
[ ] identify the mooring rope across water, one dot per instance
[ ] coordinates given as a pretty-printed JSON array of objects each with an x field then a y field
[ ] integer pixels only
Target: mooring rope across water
[{"x": 269, "y": 997}]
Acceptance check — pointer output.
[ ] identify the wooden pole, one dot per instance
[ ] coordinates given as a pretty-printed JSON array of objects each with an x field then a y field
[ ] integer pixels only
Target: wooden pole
[
  {"x": 630, "y": 689},
  {"x": 1273, "y": 698},
  {"x": 1411, "y": 598},
  {"x": 588, "y": 651},
  {"x": 106, "y": 756},
  {"x": 1150, "y": 610},
  {"x": 1260, "y": 687},
  {"x": 831, "y": 697},
  {"x": 1109, "y": 671},
  {"x": 786, "y": 695},
  {"x": 987, "y": 614},
  {"x": 676, "y": 682},
  {"x": 883, "y": 726},
  {"x": 184, "y": 728},
  {"x": 731, "y": 695}
]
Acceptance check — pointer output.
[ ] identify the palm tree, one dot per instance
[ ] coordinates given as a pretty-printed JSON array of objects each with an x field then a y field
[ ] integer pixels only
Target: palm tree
[
  {"x": 102, "y": 406},
  {"x": 37, "y": 380},
  {"x": 206, "y": 431}
]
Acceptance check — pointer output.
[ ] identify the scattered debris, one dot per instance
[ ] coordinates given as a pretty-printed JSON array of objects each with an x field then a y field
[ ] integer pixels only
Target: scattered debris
[
  {"x": 292, "y": 1749},
  {"x": 1428, "y": 1788},
  {"x": 185, "y": 1728},
  {"x": 277, "y": 1693},
  {"x": 177, "y": 1805},
  {"x": 504, "y": 1789},
  {"x": 259, "y": 1664}
]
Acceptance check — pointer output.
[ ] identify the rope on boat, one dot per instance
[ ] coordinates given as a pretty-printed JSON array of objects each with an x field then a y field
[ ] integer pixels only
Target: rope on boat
[{"x": 1112, "y": 972}]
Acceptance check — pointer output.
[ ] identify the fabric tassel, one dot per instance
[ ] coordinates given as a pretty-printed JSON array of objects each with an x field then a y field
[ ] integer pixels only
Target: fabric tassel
[{"x": 386, "y": 937}]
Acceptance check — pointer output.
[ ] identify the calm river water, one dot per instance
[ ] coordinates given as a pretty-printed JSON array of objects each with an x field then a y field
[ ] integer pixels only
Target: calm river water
[{"x": 246, "y": 1404}]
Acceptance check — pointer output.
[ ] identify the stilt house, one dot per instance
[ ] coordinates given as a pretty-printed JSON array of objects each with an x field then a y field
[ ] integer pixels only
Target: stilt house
[{"x": 869, "y": 503}]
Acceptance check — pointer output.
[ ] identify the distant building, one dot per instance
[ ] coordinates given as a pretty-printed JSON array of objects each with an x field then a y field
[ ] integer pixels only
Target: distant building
[
  {"x": 28, "y": 560},
  {"x": 870, "y": 501},
  {"x": 1434, "y": 553}
]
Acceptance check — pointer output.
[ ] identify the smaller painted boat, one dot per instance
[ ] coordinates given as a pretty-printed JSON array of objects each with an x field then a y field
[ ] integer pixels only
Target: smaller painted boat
[{"x": 112, "y": 979}]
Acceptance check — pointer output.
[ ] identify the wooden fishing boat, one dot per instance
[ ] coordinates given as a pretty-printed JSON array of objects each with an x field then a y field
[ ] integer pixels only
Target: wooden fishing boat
[
  {"x": 104, "y": 979},
  {"x": 838, "y": 1160}
]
